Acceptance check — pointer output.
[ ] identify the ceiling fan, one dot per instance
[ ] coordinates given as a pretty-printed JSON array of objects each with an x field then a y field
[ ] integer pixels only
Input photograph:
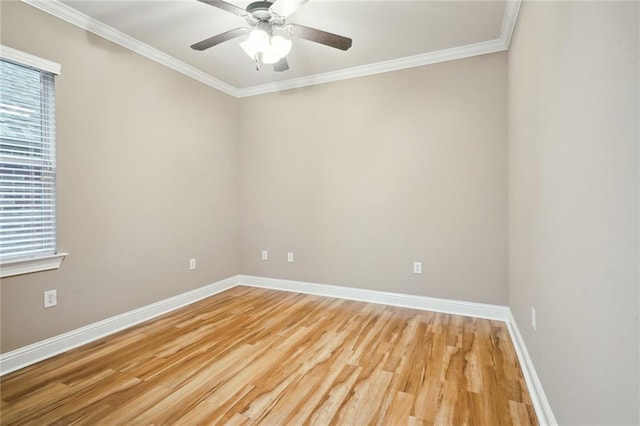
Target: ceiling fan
[{"x": 266, "y": 20}]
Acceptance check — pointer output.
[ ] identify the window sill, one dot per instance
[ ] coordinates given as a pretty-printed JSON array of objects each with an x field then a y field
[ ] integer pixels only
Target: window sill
[{"x": 27, "y": 266}]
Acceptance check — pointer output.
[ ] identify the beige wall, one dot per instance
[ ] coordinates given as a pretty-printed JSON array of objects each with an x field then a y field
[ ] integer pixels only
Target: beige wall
[
  {"x": 573, "y": 204},
  {"x": 146, "y": 160},
  {"x": 360, "y": 178}
]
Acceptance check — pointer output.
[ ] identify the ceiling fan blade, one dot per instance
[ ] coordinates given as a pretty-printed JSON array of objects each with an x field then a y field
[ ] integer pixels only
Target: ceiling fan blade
[
  {"x": 319, "y": 36},
  {"x": 281, "y": 65},
  {"x": 220, "y": 38},
  {"x": 225, "y": 6},
  {"x": 284, "y": 8}
]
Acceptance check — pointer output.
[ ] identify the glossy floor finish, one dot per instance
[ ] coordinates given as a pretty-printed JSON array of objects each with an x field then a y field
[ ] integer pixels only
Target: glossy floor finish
[{"x": 269, "y": 357}]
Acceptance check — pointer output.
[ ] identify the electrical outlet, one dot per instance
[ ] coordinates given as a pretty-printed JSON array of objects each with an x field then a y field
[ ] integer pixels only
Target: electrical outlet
[
  {"x": 417, "y": 267},
  {"x": 50, "y": 298},
  {"x": 290, "y": 257},
  {"x": 533, "y": 319},
  {"x": 192, "y": 264},
  {"x": 265, "y": 255}
]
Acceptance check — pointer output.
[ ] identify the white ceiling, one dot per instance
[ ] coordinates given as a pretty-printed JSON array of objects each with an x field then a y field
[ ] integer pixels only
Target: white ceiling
[{"x": 387, "y": 35}]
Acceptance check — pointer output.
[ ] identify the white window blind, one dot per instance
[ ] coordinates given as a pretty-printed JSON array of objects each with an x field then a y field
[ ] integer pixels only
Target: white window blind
[{"x": 27, "y": 163}]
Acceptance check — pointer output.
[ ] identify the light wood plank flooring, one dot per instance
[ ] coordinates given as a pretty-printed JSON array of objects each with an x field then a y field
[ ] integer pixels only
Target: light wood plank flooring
[{"x": 260, "y": 356}]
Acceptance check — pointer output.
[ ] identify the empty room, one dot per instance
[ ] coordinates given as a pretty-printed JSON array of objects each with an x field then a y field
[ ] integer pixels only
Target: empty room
[{"x": 319, "y": 212}]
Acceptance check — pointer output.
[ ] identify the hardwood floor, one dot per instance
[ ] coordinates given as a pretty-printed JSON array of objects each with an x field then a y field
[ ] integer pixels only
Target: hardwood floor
[{"x": 260, "y": 356}]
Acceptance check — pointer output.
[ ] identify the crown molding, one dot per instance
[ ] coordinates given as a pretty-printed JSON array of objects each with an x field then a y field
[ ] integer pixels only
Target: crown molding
[
  {"x": 378, "y": 68},
  {"x": 68, "y": 14},
  {"x": 509, "y": 21}
]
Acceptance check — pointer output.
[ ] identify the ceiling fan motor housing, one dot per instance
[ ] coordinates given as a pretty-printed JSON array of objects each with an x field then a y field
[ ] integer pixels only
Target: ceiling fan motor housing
[{"x": 260, "y": 10}]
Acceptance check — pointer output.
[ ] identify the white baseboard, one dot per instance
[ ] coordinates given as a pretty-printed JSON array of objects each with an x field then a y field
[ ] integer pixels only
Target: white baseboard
[
  {"x": 469, "y": 309},
  {"x": 538, "y": 397},
  {"x": 48, "y": 348}
]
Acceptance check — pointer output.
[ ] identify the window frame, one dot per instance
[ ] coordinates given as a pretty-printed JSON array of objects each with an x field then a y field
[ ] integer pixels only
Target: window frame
[{"x": 33, "y": 263}]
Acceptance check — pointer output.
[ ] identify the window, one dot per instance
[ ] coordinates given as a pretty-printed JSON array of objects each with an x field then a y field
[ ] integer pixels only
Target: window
[{"x": 27, "y": 166}]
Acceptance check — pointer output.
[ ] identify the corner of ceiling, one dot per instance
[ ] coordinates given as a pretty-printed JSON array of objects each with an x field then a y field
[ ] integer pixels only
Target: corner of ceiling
[{"x": 68, "y": 14}]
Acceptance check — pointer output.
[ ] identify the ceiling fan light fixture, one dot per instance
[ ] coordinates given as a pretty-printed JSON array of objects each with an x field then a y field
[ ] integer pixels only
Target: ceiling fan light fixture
[
  {"x": 281, "y": 45},
  {"x": 269, "y": 57},
  {"x": 268, "y": 49},
  {"x": 257, "y": 42}
]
